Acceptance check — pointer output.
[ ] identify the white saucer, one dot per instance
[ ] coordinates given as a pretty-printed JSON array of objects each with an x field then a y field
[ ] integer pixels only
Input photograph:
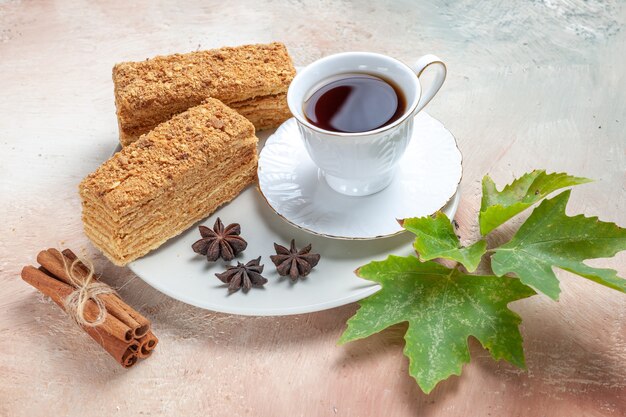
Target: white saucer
[{"x": 427, "y": 178}]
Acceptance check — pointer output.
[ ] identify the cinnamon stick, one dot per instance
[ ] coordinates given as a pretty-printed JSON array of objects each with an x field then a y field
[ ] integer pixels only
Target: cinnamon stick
[
  {"x": 119, "y": 307},
  {"x": 129, "y": 359},
  {"x": 54, "y": 261},
  {"x": 111, "y": 324},
  {"x": 106, "y": 335},
  {"x": 147, "y": 345}
]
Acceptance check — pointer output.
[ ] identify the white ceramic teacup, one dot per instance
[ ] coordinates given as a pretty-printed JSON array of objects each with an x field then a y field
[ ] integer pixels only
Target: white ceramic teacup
[{"x": 362, "y": 163}]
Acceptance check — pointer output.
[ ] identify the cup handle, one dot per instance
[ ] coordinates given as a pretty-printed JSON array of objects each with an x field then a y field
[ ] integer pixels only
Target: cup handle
[{"x": 429, "y": 92}]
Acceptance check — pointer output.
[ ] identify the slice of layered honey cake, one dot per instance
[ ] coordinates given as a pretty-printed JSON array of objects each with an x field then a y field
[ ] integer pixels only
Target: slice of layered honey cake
[
  {"x": 252, "y": 79},
  {"x": 171, "y": 177}
]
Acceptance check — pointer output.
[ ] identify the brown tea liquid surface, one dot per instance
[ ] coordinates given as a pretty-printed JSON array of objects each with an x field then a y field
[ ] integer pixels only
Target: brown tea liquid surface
[{"x": 355, "y": 103}]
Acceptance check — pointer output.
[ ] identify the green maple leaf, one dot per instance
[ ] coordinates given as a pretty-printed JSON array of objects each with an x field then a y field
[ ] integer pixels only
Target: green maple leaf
[
  {"x": 499, "y": 206},
  {"x": 443, "y": 307},
  {"x": 435, "y": 238},
  {"x": 550, "y": 238}
]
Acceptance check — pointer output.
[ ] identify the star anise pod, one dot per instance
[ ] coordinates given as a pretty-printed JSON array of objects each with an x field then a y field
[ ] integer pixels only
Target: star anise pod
[
  {"x": 294, "y": 262},
  {"x": 243, "y": 276},
  {"x": 221, "y": 242}
]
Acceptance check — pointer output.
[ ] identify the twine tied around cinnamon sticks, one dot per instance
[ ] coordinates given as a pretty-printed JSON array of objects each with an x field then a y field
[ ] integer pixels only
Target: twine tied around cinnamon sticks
[
  {"x": 87, "y": 288},
  {"x": 123, "y": 332}
]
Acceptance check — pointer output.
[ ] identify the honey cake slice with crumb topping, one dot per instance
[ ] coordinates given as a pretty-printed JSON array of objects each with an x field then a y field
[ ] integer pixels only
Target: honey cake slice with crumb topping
[
  {"x": 173, "y": 176},
  {"x": 254, "y": 78}
]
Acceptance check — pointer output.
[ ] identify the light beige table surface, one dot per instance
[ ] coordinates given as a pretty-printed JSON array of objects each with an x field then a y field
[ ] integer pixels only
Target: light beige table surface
[{"x": 532, "y": 84}]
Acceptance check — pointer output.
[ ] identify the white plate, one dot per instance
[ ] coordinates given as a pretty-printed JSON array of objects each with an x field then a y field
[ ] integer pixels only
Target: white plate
[
  {"x": 426, "y": 179},
  {"x": 177, "y": 271}
]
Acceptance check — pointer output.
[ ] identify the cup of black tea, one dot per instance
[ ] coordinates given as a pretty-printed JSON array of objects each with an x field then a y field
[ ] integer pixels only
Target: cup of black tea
[{"x": 355, "y": 114}]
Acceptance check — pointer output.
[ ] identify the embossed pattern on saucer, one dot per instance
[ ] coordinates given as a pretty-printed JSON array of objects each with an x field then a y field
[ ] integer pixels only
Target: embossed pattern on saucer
[{"x": 427, "y": 177}]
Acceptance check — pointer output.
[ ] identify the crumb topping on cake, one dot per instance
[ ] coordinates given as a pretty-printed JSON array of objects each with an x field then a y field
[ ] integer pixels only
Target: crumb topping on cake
[
  {"x": 201, "y": 136},
  {"x": 229, "y": 74}
]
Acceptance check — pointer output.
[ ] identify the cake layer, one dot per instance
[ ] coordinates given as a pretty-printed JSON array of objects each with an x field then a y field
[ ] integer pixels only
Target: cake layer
[
  {"x": 163, "y": 216},
  {"x": 136, "y": 213},
  {"x": 152, "y": 91},
  {"x": 172, "y": 177},
  {"x": 264, "y": 112},
  {"x": 195, "y": 138},
  {"x": 170, "y": 199},
  {"x": 154, "y": 236}
]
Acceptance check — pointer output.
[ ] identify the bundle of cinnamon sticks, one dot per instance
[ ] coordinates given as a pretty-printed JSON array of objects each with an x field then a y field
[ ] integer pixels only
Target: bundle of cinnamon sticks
[{"x": 123, "y": 333}]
